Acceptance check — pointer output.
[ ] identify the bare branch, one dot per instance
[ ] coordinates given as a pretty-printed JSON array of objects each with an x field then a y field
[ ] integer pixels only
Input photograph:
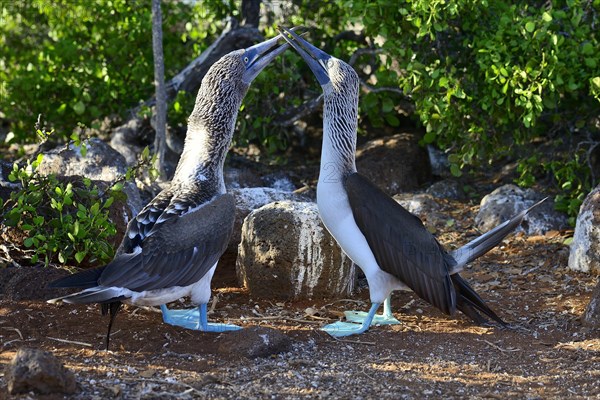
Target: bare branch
[
  {"x": 160, "y": 115},
  {"x": 251, "y": 12},
  {"x": 291, "y": 116}
]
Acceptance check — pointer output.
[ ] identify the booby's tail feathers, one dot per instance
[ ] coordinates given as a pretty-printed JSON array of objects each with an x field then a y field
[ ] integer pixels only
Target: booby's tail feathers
[
  {"x": 488, "y": 240},
  {"x": 84, "y": 279},
  {"x": 469, "y": 302},
  {"x": 97, "y": 294}
]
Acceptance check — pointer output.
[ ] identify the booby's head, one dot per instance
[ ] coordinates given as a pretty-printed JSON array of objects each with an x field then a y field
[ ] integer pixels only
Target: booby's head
[
  {"x": 212, "y": 122},
  {"x": 332, "y": 73},
  {"x": 225, "y": 84},
  {"x": 340, "y": 112}
]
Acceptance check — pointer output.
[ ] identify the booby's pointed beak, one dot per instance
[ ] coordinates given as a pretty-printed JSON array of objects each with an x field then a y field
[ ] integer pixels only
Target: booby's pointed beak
[
  {"x": 257, "y": 57},
  {"x": 313, "y": 56}
]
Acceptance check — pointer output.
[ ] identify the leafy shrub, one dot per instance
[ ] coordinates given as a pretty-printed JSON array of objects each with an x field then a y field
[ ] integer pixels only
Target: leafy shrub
[
  {"x": 490, "y": 78},
  {"x": 63, "y": 220},
  {"x": 77, "y": 60}
]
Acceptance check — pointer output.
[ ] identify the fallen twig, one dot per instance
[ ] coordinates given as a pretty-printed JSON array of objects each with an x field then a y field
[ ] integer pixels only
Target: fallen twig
[
  {"x": 275, "y": 318},
  {"x": 18, "y": 340},
  {"x": 10, "y": 328},
  {"x": 353, "y": 341},
  {"x": 498, "y": 347},
  {"x": 69, "y": 341}
]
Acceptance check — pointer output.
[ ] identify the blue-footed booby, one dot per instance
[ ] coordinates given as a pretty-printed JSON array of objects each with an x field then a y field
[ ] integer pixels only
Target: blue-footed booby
[
  {"x": 390, "y": 245},
  {"x": 171, "y": 248}
]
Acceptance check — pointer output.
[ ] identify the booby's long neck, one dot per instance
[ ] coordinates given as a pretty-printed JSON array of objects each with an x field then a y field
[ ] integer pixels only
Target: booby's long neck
[
  {"x": 340, "y": 120},
  {"x": 209, "y": 135}
]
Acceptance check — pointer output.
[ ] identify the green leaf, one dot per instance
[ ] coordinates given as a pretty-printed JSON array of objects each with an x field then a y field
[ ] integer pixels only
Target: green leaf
[
  {"x": 95, "y": 208},
  {"x": 429, "y": 137},
  {"x": 387, "y": 105},
  {"x": 28, "y": 242},
  {"x": 587, "y": 48},
  {"x": 590, "y": 62},
  {"x": 546, "y": 17},
  {"x": 392, "y": 120},
  {"x": 530, "y": 26},
  {"x": 109, "y": 202},
  {"x": 79, "y": 256},
  {"x": 75, "y": 228},
  {"x": 79, "y": 107},
  {"x": 455, "y": 170}
]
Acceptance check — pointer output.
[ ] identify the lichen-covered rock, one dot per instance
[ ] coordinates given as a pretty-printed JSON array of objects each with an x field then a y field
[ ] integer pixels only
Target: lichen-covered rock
[
  {"x": 38, "y": 371},
  {"x": 422, "y": 205},
  {"x": 101, "y": 164},
  {"x": 287, "y": 253},
  {"x": 508, "y": 200},
  {"x": 254, "y": 342},
  {"x": 447, "y": 189},
  {"x": 395, "y": 163},
  {"x": 585, "y": 249},
  {"x": 591, "y": 315},
  {"x": 248, "y": 200}
]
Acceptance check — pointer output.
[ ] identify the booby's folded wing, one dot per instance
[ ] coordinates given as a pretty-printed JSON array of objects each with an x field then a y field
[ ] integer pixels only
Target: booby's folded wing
[
  {"x": 401, "y": 244},
  {"x": 143, "y": 223},
  {"x": 178, "y": 251}
]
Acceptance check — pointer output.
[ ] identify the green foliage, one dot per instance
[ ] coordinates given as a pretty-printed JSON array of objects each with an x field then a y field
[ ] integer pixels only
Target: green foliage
[
  {"x": 488, "y": 78},
  {"x": 64, "y": 221},
  {"x": 78, "y": 60},
  {"x": 272, "y": 100}
]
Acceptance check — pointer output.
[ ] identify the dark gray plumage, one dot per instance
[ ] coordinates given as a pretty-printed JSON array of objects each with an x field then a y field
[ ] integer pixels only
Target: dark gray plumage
[
  {"x": 171, "y": 248},
  {"x": 391, "y": 245}
]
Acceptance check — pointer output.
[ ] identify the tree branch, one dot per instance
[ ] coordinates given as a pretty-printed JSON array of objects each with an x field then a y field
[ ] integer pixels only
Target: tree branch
[{"x": 160, "y": 122}]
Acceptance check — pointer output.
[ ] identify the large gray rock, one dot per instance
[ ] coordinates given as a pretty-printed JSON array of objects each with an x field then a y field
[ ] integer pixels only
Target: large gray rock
[
  {"x": 287, "y": 253},
  {"x": 395, "y": 163},
  {"x": 585, "y": 248},
  {"x": 101, "y": 164},
  {"x": 38, "y": 371},
  {"x": 508, "y": 200},
  {"x": 422, "y": 205},
  {"x": 591, "y": 315},
  {"x": 6, "y": 186},
  {"x": 248, "y": 200},
  {"x": 447, "y": 189}
]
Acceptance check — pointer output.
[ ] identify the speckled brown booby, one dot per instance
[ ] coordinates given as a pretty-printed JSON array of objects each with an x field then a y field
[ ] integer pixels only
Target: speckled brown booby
[{"x": 171, "y": 248}]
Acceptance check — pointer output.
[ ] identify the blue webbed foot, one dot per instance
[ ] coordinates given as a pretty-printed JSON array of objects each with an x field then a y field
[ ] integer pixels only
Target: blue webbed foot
[
  {"x": 387, "y": 318},
  {"x": 359, "y": 317},
  {"x": 195, "y": 319},
  {"x": 341, "y": 329}
]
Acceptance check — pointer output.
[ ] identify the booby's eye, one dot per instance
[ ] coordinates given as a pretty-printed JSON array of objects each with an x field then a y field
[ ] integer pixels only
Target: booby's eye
[{"x": 245, "y": 60}]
